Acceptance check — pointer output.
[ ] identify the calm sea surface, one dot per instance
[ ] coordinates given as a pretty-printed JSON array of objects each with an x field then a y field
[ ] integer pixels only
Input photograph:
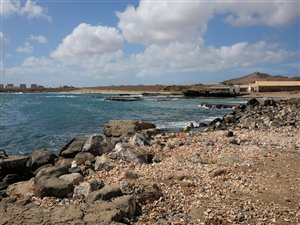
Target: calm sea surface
[{"x": 29, "y": 121}]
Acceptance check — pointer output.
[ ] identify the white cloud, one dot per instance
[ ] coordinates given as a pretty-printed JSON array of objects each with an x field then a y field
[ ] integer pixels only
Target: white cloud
[
  {"x": 29, "y": 9},
  {"x": 160, "y": 22},
  {"x": 88, "y": 41},
  {"x": 39, "y": 38},
  {"x": 27, "y": 48},
  {"x": 270, "y": 13},
  {"x": 164, "y": 21},
  {"x": 188, "y": 57}
]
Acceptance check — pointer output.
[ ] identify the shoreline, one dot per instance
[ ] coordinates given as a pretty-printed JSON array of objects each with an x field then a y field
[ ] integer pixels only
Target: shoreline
[{"x": 224, "y": 175}]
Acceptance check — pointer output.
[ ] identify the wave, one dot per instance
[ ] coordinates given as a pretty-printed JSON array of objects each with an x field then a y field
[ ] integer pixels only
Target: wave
[
  {"x": 175, "y": 125},
  {"x": 59, "y": 96}
]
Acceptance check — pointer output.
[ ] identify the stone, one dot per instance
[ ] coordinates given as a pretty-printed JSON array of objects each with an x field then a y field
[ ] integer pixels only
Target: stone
[
  {"x": 23, "y": 189},
  {"x": 53, "y": 171},
  {"x": 127, "y": 204},
  {"x": 147, "y": 192},
  {"x": 132, "y": 154},
  {"x": 41, "y": 157},
  {"x": 139, "y": 140},
  {"x": 73, "y": 178},
  {"x": 63, "y": 215},
  {"x": 64, "y": 162},
  {"x": 53, "y": 186},
  {"x": 218, "y": 172},
  {"x": 229, "y": 133},
  {"x": 75, "y": 170},
  {"x": 73, "y": 147},
  {"x": 229, "y": 118},
  {"x": 269, "y": 102},
  {"x": 13, "y": 164},
  {"x": 93, "y": 145},
  {"x": 253, "y": 102},
  {"x": 106, "y": 213},
  {"x": 106, "y": 193},
  {"x": 117, "y": 128},
  {"x": 85, "y": 188},
  {"x": 82, "y": 157},
  {"x": 103, "y": 163}
]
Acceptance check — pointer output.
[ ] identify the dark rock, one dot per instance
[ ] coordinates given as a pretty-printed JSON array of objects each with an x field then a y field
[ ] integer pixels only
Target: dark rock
[
  {"x": 93, "y": 145},
  {"x": 13, "y": 164},
  {"x": 132, "y": 153},
  {"x": 269, "y": 102},
  {"x": 41, "y": 157},
  {"x": 86, "y": 188},
  {"x": 106, "y": 193},
  {"x": 234, "y": 141},
  {"x": 42, "y": 167},
  {"x": 82, "y": 157},
  {"x": 73, "y": 147},
  {"x": 75, "y": 170},
  {"x": 103, "y": 163},
  {"x": 229, "y": 119},
  {"x": 147, "y": 192},
  {"x": 73, "y": 178},
  {"x": 131, "y": 175},
  {"x": 117, "y": 128},
  {"x": 53, "y": 186},
  {"x": 53, "y": 171},
  {"x": 203, "y": 124},
  {"x": 64, "y": 162},
  {"x": 127, "y": 204},
  {"x": 9, "y": 179},
  {"x": 139, "y": 140},
  {"x": 229, "y": 133},
  {"x": 218, "y": 172},
  {"x": 253, "y": 102}
]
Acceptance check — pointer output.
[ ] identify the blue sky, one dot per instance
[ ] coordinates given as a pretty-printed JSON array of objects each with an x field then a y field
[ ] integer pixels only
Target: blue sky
[{"x": 92, "y": 43}]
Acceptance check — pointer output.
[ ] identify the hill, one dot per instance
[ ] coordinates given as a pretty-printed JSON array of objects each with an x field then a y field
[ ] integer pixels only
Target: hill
[{"x": 257, "y": 76}]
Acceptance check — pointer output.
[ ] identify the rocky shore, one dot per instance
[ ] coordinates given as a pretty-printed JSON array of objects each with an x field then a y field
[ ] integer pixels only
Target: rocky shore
[{"x": 243, "y": 169}]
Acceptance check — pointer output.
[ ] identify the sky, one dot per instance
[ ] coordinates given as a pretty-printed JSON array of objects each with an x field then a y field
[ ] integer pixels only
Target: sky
[{"x": 87, "y": 43}]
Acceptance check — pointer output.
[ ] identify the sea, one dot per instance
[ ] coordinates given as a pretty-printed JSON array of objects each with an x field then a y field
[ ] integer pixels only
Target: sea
[{"x": 50, "y": 120}]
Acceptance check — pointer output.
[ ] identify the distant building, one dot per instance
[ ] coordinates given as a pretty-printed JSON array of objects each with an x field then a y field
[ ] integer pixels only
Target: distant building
[
  {"x": 9, "y": 86},
  {"x": 33, "y": 86},
  {"x": 274, "y": 86},
  {"x": 40, "y": 86},
  {"x": 1, "y": 86},
  {"x": 23, "y": 86},
  {"x": 225, "y": 88}
]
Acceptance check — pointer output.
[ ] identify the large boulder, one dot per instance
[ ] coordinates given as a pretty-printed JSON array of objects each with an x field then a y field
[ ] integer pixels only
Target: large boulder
[
  {"x": 139, "y": 140},
  {"x": 84, "y": 188},
  {"x": 82, "y": 157},
  {"x": 52, "y": 171},
  {"x": 127, "y": 204},
  {"x": 106, "y": 193},
  {"x": 132, "y": 153},
  {"x": 93, "y": 144},
  {"x": 13, "y": 164},
  {"x": 53, "y": 186},
  {"x": 117, "y": 128},
  {"x": 23, "y": 189},
  {"x": 73, "y": 147},
  {"x": 253, "y": 102},
  {"x": 73, "y": 178},
  {"x": 41, "y": 157},
  {"x": 103, "y": 163}
]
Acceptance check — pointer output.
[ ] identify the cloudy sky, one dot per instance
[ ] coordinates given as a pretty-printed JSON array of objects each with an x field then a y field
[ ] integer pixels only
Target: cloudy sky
[{"x": 101, "y": 42}]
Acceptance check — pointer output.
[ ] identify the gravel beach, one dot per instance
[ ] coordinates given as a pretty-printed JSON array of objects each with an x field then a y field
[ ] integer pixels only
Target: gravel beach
[{"x": 245, "y": 176}]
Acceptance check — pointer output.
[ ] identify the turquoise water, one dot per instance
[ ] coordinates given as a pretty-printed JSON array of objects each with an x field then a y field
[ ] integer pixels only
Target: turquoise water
[{"x": 29, "y": 121}]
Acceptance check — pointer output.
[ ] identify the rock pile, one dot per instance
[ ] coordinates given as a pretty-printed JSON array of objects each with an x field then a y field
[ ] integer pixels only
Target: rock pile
[
  {"x": 44, "y": 174},
  {"x": 261, "y": 115}
]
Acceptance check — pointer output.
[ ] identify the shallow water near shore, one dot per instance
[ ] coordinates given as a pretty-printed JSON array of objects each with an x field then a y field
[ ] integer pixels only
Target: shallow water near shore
[{"x": 29, "y": 121}]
